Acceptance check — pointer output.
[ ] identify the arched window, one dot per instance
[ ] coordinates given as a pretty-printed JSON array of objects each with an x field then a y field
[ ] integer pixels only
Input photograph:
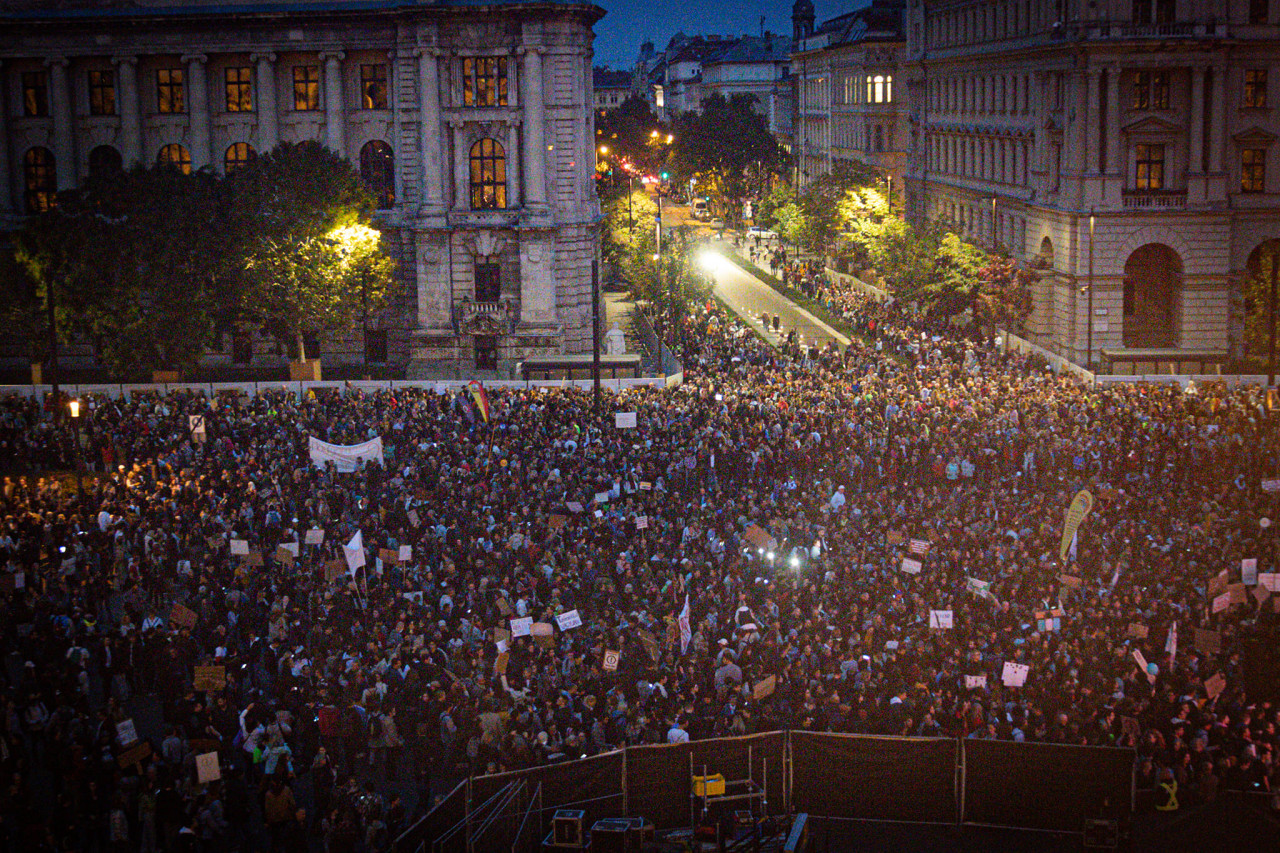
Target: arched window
[
  {"x": 238, "y": 155},
  {"x": 40, "y": 175},
  {"x": 488, "y": 176},
  {"x": 377, "y": 168},
  {"x": 104, "y": 160},
  {"x": 175, "y": 155}
]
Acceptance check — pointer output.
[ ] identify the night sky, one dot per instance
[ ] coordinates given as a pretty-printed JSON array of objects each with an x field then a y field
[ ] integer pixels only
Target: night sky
[{"x": 630, "y": 22}]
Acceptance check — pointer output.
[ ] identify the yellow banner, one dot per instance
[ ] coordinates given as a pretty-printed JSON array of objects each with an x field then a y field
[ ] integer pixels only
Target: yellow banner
[{"x": 1080, "y": 507}]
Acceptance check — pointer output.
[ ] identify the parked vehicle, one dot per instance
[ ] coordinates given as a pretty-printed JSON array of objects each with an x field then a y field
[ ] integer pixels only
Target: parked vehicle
[
  {"x": 761, "y": 232},
  {"x": 699, "y": 209}
]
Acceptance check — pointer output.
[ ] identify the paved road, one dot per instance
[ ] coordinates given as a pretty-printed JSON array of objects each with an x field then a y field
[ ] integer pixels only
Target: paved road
[{"x": 749, "y": 297}]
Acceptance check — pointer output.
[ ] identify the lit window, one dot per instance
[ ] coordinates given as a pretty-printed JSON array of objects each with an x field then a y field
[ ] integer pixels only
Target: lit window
[
  {"x": 175, "y": 155},
  {"x": 488, "y": 175},
  {"x": 1150, "y": 167},
  {"x": 1253, "y": 170},
  {"x": 484, "y": 81},
  {"x": 102, "y": 93},
  {"x": 238, "y": 156},
  {"x": 40, "y": 176},
  {"x": 169, "y": 94},
  {"x": 1151, "y": 90},
  {"x": 1255, "y": 87},
  {"x": 239, "y": 85},
  {"x": 306, "y": 87},
  {"x": 35, "y": 94},
  {"x": 373, "y": 86}
]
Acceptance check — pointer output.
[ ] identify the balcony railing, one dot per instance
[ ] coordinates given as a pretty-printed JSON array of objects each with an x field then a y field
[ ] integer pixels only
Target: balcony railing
[
  {"x": 485, "y": 318},
  {"x": 1126, "y": 31},
  {"x": 1154, "y": 199}
]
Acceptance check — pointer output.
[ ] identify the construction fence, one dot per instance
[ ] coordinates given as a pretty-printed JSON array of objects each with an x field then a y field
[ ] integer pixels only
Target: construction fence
[{"x": 828, "y": 776}]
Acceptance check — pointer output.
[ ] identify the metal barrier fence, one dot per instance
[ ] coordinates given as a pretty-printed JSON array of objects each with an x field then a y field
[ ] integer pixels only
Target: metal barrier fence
[{"x": 1034, "y": 786}]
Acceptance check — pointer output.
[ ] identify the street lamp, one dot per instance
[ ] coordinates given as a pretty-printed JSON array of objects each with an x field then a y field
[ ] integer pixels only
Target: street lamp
[
  {"x": 1089, "y": 356},
  {"x": 73, "y": 409},
  {"x": 993, "y": 223}
]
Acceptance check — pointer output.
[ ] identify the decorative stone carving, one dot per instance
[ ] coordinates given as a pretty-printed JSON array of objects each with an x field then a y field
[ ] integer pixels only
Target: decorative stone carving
[
  {"x": 488, "y": 243},
  {"x": 485, "y": 318}
]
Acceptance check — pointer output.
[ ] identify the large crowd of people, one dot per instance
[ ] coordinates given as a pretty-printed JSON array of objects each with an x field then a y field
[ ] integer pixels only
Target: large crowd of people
[{"x": 197, "y": 591}]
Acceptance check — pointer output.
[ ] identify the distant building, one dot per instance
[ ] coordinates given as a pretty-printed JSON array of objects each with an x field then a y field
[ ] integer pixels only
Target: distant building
[
  {"x": 692, "y": 68},
  {"x": 473, "y": 124},
  {"x": 611, "y": 87}
]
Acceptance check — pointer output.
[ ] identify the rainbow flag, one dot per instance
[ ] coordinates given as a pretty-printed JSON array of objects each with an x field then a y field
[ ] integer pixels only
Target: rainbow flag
[{"x": 480, "y": 397}]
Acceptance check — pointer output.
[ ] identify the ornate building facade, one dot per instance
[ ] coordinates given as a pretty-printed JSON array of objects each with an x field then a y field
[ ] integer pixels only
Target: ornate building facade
[
  {"x": 472, "y": 124},
  {"x": 1126, "y": 148}
]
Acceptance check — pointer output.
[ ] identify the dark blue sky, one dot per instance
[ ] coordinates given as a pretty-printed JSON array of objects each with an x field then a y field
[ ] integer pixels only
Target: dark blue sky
[{"x": 630, "y": 22}]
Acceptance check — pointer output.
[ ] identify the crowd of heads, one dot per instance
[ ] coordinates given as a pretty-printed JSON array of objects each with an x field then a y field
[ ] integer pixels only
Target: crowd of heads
[{"x": 779, "y": 496}]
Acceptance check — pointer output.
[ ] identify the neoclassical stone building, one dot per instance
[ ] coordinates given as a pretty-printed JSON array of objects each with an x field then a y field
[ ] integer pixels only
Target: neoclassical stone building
[{"x": 472, "y": 123}]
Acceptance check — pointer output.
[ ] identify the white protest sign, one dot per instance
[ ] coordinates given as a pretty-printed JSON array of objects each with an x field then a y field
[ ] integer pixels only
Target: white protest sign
[
  {"x": 642, "y": 522},
  {"x": 345, "y": 458},
  {"x": 1249, "y": 571},
  {"x": 611, "y": 660},
  {"x": 911, "y": 567},
  {"x": 240, "y": 547},
  {"x": 406, "y": 553},
  {"x": 573, "y": 506},
  {"x": 353, "y": 551},
  {"x": 973, "y": 681},
  {"x": 197, "y": 427},
  {"x": 503, "y": 645},
  {"x": 207, "y": 768},
  {"x": 314, "y": 537},
  {"x": 568, "y": 619},
  {"x": 624, "y": 420},
  {"x": 1269, "y": 580},
  {"x": 522, "y": 626},
  {"x": 940, "y": 619},
  {"x": 126, "y": 733},
  {"x": 1221, "y": 603},
  {"x": 601, "y": 497},
  {"x": 1271, "y": 485},
  {"x": 1014, "y": 674}
]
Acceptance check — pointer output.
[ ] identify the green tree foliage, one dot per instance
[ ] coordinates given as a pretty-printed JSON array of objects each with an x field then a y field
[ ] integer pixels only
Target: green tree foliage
[
  {"x": 926, "y": 265},
  {"x": 776, "y": 198},
  {"x": 1004, "y": 294},
  {"x": 727, "y": 147},
  {"x": 627, "y": 132},
  {"x": 625, "y": 218},
  {"x": 310, "y": 257},
  {"x": 666, "y": 283},
  {"x": 22, "y": 311},
  {"x": 1257, "y": 301}
]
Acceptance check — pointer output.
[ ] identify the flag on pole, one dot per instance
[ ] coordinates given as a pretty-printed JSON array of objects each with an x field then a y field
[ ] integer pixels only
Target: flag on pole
[
  {"x": 686, "y": 630},
  {"x": 1171, "y": 641},
  {"x": 354, "y": 552},
  {"x": 480, "y": 397}
]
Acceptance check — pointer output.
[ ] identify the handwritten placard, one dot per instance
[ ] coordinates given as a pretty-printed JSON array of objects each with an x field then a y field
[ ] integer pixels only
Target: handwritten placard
[
  {"x": 568, "y": 619},
  {"x": 624, "y": 420},
  {"x": 521, "y": 625},
  {"x": 941, "y": 619},
  {"x": 207, "y": 768},
  {"x": 313, "y": 537},
  {"x": 1014, "y": 674}
]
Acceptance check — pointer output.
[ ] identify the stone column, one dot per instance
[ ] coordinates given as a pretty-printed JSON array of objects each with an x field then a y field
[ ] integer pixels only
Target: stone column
[
  {"x": 511, "y": 141},
  {"x": 334, "y": 117},
  {"x": 130, "y": 111},
  {"x": 268, "y": 109},
  {"x": 535, "y": 154},
  {"x": 1093, "y": 152},
  {"x": 429, "y": 132},
  {"x": 461, "y": 168},
  {"x": 6, "y": 166},
  {"x": 1077, "y": 152},
  {"x": 1114, "y": 166},
  {"x": 1217, "y": 119},
  {"x": 198, "y": 108},
  {"x": 1195, "y": 157},
  {"x": 64, "y": 146}
]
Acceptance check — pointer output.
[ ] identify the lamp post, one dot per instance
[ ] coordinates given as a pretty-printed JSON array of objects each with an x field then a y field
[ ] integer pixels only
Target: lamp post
[
  {"x": 1089, "y": 356},
  {"x": 73, "y": 408},
  {"x": 993, "y": 223}
]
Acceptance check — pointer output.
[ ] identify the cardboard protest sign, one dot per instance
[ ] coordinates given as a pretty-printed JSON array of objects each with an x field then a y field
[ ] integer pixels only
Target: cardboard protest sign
[
  {"x": 521, "y": 625},
  {"x": 1217, "y": 584},
  {"x": 1076, "y": 513},
  {"x": 1069, "y": 580},
  {"x": 911, "y": 567},
  {"x": 207, "y": 768},
  {"x": 919, "y": 547},
  {"x": 182, "y": 616},
  {"x": 764, "y": 688},
  {"x": 972, "y": 682},
  {"x": 388, "y": 556},
  {"x": 941, "y": 619},
  {"x": 135, "y": 755},
  {"x": 284, "y": 556},
  {"x": 255, "y": 559},
  {"x": 126, "y": 733},
  {"x": 504, "y": 606},
  {"x": 1014, "y": 674},
  {"x": 1270, "y": 581},
  {"x": 543, "y": 634},
  {"x": 334, "y": 569},
  {"x": 759, "y": 538},
  {"x": 1215, "y": 684},
  {"x": 240, "y": 547},
  {"x": 573, "y": 507},
  {"x": 500, "y": 664},
  {"x": 1209, "y": 642},
  {"x": 1138, "y": 630},
  {"x": 568, "y": 619},
  {"x": 1221, "y": 603},
  {"x": 894, "y": 537},
  {"x": 208, "y": 678},
  {"x": 1249, "y": 571},
  {"x": 313, "y": 537},
  {"x": 501, "y": 635},
  {"x": 611, "y": 659},
  {"x": 624, "y": 420},
  {"x": 1237, "y": 594},
  {"x": 649, "y": 642}
]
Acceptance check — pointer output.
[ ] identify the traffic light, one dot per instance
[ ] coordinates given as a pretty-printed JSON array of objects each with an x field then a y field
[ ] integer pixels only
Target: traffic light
[{"x": 666, "y": 176}]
